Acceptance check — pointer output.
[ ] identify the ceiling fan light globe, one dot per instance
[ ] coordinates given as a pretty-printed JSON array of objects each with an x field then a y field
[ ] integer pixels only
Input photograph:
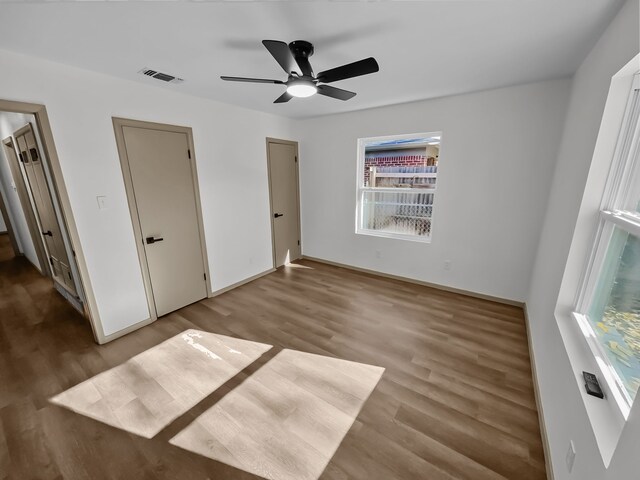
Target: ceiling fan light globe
[{"x": 302, "y": 89}]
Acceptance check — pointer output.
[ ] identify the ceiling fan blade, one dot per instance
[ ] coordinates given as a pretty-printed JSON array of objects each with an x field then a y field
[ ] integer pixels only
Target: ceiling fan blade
[
  {"x": 282, "y": 54},
  {"x": 355, "y": 69},
  {"x": 285, "y": 97},
  {"x": 301, "y": 51},
  {"x": 305, "y": 66},
  {"x": 251, "y": 80},
  {"x": 334, "y": 92}
]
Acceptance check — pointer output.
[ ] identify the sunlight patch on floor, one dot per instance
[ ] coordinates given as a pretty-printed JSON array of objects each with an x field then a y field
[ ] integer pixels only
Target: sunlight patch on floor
[
  {"x": 286, "y": 421},
  {"x": 297, "y": 265},
  {"x": 149, "y": 391}
]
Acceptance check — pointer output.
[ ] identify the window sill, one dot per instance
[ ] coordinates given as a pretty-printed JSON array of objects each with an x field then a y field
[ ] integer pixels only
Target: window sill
[
  {"x": 395, "y": 236},
  {"x": 606, "y": 417},
  {"x": 605, "y": 368}
]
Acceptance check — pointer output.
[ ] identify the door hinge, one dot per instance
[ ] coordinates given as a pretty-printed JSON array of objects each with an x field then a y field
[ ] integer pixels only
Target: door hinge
[
  {"x": 51, "y": 261},
  {"x": 298, "y": 242},
  {"x": 296, "y": 158},
  {"x": 189, "y": 153},
  {"x": 205, "y": 277},
  {"x": 21, "y": 157}
]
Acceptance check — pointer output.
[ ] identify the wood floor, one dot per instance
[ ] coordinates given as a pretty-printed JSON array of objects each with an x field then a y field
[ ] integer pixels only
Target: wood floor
[
  {"x": 148, "y": 392},
  {"x": 455, "y": 401},
  {"x": 287, "y": 420}
]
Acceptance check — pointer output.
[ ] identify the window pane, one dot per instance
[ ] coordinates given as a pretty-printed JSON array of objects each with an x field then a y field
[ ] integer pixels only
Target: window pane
[
  {"x": 402, "y": 177},
  {"x": 615, "y": 310},
  {"x": 397, "y": 182},
  {"x": 385, "y": 161},
  {"x": 407, "y": 213}
]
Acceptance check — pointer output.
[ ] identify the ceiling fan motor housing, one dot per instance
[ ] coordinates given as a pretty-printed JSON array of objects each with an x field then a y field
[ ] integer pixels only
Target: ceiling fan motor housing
[{"x": 301, "y": 48}]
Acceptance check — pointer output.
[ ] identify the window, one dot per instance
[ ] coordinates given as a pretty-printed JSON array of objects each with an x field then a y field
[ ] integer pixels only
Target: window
[
  {"x": 608, "y": 307},
  {"x": 397, "y": 185}
]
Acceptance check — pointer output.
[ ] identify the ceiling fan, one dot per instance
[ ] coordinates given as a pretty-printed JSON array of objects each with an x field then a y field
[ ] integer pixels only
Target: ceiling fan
[{"x": 294, "y": 59}]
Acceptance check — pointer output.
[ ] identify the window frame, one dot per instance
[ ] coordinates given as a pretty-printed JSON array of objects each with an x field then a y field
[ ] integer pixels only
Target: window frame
[
  {"x": 615, "y": 211},
  {"x": 361, "y": 189}
]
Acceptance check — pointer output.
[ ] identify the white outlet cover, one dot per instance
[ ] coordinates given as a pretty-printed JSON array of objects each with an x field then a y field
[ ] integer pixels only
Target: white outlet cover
[
  {"x": 102, "y": 202},
  {"x": 571, "y": 456}
]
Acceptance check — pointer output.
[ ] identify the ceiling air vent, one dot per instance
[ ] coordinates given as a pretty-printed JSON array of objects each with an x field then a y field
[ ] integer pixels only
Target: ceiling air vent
[{"x": 165, "y": 77}]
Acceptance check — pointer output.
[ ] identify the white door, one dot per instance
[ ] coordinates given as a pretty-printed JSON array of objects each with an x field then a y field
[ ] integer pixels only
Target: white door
[
  {"x": 163, "y": 186},
  {"x": 31, "y": 158},
  {"x": 283, "y": 178}
]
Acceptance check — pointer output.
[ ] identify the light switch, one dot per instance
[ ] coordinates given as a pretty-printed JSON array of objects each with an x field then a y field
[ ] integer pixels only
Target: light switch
[{"x": 102, "y": 202}]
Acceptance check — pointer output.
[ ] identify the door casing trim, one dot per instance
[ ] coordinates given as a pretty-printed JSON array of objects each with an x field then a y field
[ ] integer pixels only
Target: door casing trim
[
  {"x": 8, "y": 145},
  {"x": 118, "y": 124},
  {"x": 60, "y": 191},
  {"x": 297, "y": 163},
  {"x": 10, "y": 231}
]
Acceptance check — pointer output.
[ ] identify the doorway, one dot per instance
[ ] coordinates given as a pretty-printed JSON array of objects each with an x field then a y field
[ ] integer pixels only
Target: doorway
[
  {"x": 50, "y": 229},
  {"x": 29, "y": 187},
  {"x": 284, "y": 195},
  {"x": 30, "y": 244},
  {"x": 6, "y": 227},
  {"x": 159, "y": 169},
  {"x": 30, "y": 123}
]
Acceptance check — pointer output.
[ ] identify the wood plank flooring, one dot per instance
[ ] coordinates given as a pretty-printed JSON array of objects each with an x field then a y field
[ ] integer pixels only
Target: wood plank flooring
[
  {"x": 151, "y": 390},
  {"x": 287, "y": 420},
  {"x": 455, "y": 401}
]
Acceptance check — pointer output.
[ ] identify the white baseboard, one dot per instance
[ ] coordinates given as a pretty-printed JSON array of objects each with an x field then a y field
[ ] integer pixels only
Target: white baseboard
[
  {"x": 124, "y": 331},
  {"x": 437, "y": 286},
  {"x": 70, "y": 297},
  {"x": 536, "y": 390},
  {"x": 241, "y": 282},
  {"x": 144, "y": 323}
]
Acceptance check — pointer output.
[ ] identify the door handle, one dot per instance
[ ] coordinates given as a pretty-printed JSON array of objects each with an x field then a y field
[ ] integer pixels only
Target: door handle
[
  {"x": 151, "y": 240},
  {"x": 48, "y": 232},
  {"x": 276, "y": 215}
]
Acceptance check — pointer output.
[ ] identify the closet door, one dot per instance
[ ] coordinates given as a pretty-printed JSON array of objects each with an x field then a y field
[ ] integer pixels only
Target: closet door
[
  {"x": 163, "y": 191},
  {"x": 283, "y": 188},
  {"x": 31, "y": 157}
]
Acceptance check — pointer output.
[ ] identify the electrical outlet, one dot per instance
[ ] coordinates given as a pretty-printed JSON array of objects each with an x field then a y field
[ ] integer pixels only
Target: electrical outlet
[
  {"x": 571, "y": 456},
  {"x": 447, "y": 264},
  {"x": 378, "y": 254},
  {"x": 102, "y": 202}
]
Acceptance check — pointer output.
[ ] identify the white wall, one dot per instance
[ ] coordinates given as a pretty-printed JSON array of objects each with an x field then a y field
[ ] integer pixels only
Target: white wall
[
  {"x": 9, "y": 123},
  {"x": 490, "y": 201},
  {"x": 231, "y": 159},
  {"x": 564, "y": 410}
]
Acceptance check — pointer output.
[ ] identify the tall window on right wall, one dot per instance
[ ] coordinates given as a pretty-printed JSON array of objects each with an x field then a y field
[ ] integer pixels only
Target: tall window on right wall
[
  {"x": 608, "y": 306},
  {"x": 397, "y": 177}
]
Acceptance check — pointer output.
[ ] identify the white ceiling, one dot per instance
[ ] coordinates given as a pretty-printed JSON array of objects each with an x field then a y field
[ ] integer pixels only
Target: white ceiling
[{"x": 425, "y": 49}]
